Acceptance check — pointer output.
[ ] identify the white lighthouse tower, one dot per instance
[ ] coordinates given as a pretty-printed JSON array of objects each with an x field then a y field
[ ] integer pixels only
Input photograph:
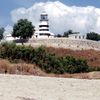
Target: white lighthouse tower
[{"x": 43, "y": 31}]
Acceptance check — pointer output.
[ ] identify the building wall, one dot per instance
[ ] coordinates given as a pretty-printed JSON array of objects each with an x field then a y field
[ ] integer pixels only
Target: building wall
[{"x": 77, "y": 36}]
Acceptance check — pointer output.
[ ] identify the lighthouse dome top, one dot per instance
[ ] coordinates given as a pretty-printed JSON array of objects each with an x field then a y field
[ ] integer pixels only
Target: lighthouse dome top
[{"x": 44, "y": 13}]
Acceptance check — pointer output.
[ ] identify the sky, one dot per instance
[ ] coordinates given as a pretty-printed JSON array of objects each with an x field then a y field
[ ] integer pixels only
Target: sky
[{"x": 85, "y": 12}]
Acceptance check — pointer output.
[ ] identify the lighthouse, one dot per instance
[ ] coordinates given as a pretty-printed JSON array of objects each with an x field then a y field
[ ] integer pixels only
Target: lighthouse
[{"x": 43, "y": 29}]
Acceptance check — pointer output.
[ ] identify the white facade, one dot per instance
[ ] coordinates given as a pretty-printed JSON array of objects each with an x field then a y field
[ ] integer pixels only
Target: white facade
[
  {"x": 9, "y": 38},
  {"x": 77, "y": 36},
  {"x": 43, "y": 31}
]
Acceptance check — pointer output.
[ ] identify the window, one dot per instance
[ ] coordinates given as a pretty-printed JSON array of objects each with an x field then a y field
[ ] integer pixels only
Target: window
[{"x": 75, "y": 37}]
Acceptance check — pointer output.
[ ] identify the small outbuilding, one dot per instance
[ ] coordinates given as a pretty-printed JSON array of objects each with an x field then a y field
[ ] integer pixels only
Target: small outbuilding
[{"x": 77, "y": 36}]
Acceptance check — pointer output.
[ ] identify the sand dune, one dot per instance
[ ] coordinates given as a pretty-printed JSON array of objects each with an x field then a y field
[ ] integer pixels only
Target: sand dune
[{"x": 17, "y": 87}]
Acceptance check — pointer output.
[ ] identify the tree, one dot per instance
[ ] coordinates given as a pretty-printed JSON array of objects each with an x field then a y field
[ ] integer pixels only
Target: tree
[
  {"x": 58, "y": 35},
  {"x": 1, "y": 32},
  {"x": 23, "y": 29},
  {"x": 66, "y": 34},
  {"x": 93, "y": 36}
]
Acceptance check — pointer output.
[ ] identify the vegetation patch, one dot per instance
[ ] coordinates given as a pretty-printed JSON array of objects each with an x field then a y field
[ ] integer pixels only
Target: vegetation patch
[{"x": 48, "y": 62}]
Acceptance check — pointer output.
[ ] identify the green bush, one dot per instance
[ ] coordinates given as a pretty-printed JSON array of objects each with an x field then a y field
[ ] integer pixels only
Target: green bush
[
  {"x": 48, "y": 62},
  {"x": 93, "y": 36}
]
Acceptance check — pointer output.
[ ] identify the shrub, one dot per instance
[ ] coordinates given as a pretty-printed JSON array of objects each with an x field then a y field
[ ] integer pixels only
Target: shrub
[
  {"x": 48, "y": 62},
  {"x": 93, "y": 36}
]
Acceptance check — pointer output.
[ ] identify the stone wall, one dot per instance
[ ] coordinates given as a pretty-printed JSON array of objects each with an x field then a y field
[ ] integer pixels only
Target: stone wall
[{"x": 66, "y": 43}]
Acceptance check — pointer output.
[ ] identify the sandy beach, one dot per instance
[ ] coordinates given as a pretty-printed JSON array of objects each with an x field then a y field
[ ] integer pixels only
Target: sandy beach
[{"x": 17, "y": 87}]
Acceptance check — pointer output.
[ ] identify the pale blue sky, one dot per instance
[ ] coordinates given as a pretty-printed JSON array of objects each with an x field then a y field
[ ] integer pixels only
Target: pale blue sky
[{"x": 6, "y": 6}]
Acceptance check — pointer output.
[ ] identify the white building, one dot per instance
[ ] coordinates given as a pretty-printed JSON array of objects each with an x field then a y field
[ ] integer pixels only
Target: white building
[
  {"x": 7, "y": 34},
  {"x": 77, "y": 36},
  {"x": 9, "y": 38},
  {"x": 43, "y": 31}
]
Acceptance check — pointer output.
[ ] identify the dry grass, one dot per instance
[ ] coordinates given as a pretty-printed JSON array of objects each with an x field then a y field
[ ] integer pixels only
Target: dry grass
[
  {"x": 92, "y": 56},
  {"x": 31, "y": 69},
  {"x": 28, "y": 69},
  {"x": 20, "y": 68},
  {"x": 4, "y": 66}
]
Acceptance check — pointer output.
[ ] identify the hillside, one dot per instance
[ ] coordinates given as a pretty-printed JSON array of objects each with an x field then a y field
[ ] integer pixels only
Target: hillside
[
  {"x": 92, "y": 56},
  {"x": 23, "y": 68},
  {"x": 86, "y": 49},
  {"x": 74, "y": 44},
  {"x": 20, "y": 64}
]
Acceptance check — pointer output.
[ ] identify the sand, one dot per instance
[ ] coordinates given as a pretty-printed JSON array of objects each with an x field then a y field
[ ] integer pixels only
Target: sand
[{"x": 17, "y": 87}]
